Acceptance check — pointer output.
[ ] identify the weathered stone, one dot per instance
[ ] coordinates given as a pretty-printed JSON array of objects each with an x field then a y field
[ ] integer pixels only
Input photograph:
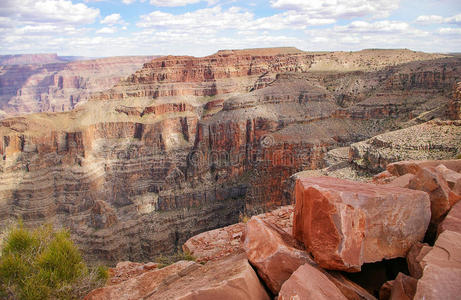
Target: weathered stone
[
  {"x": 442, "y": 269},
  {"x": 229, "y": 278},
  {"x": 403, "y": 167},
  {"x": 401, "y": 181},
  {"x": 430, "y": 180},
  {"x": 452, "y": 221},
  {"x": 221, "y": 242},
  {"x": 348, "y": 288},
  {"x": 414, "y": 258},
  {"x": 386, "y": 290},
  {"x": 274, "y": 253},
  {"x": 140, "y": 286},
  {"x": 127, "y": 269},
  {"x": 345, "y": 224},
  {"x": 403, "y": 287},
  {"x": 452, "y": 178},
  {"x": 307, "y": 282},
  {"x": 103, "y": 215}
]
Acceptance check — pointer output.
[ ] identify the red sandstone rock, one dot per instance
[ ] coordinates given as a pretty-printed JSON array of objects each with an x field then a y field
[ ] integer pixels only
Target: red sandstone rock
[
  {"x": 414, "y": 258},
  {"x": 345, "y": 224},
  {"x": 452, "y": 178},
  {"x": 403, "y": 287},
  {"x": 127, "y": 269},
  {"x": 226, "y": 279},
  {"x": 221, "y": 242},
  {"x": 452, "y": 221},
  {"x": 403, "y": 167},
  {"x": 274, "y": 253},
  {"x": 383, "y": 177},
  {"x": 442, "y": 269},
  {"x": 307, "y": 282},
  {"x": 386, "y": 290},
  {"x": 349, "y": 289},
  {"x": 430, "y": 180},
  {"x": 142, "y": 285},
  {"x": 401, "y": 181},
  {"x": 215, "y": 244}
]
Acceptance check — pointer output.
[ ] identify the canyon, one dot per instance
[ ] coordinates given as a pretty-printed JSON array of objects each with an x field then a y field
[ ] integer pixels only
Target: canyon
[
  {"x": 47, "y": 82},
  {"x": 184, "y": 145}
]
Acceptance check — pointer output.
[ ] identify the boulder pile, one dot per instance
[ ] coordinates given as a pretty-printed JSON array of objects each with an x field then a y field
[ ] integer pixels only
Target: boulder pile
[{"x": 314, "y": 249}]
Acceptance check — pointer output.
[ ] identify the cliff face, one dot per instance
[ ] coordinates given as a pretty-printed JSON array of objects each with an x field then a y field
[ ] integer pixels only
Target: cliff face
[
  {"x": 187, "y": 144},
  {"x": 38, "y": 83}
]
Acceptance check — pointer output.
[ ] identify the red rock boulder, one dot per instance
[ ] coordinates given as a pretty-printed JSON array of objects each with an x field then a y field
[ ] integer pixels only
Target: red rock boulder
[
  {"x": 274, "y": 253},
  {"x": 414, "y": 258},
  {"x": 226, "y": 279},
  {"x": 137, "y": 287},
  {"x": 345, "y": 224},
  {"x": 442, "y": 269},
  {"x": 452, "y": 221},
  {"x": 433, "y": 181},
  {"x": 218, "y": 243},
  {"x": 307, "y": 282}
]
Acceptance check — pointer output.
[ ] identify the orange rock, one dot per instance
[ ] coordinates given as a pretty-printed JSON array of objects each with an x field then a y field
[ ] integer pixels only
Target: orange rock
[
  {"x": 221, "y": 242},
  {"x": 403, "y": 287},
  {"x": 274, "y": 253},
  {"x": 345, "y": 224},
  {"x": 452, "y": 221},
  {"x": 307, "y": 282},
  {"x": 349, "y": 289},
  {"x": 430, "y": 180},
  {"x": 229, "y": 278},
  {"x": 402, "y": 181},
  {"x": 140, "y": 286},
  {"x": 442, "y": 269},
  {"x": 403, "y": 167},
  {"x": 386, "y": 290},
  {"x": 414, "y": 258}
]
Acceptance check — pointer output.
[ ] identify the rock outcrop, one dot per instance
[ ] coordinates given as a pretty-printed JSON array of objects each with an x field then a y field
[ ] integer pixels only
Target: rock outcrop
[
  {"x": 345, "y": 224},
  {"x": 274, "y": 253},
  {"x": 187, "y": 144},
  {"x": 309, "y": 283},
  {"x": 221, "y": 242}
]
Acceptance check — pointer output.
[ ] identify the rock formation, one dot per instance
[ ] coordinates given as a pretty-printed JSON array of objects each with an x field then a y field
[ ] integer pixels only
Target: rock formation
[
  {"x": 187, "y": 144},
  {"x": 36, "y": 83},
  {"x": 346, "y": 224}
]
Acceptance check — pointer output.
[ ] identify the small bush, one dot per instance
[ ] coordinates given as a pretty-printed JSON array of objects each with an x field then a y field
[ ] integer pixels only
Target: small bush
[
  {"x": 44, "y": 264},
  {"x": 458, "y": 156}
]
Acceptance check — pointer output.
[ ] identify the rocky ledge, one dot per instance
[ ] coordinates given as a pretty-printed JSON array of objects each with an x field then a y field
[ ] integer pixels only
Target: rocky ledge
[{"x": 338, "y": 225}]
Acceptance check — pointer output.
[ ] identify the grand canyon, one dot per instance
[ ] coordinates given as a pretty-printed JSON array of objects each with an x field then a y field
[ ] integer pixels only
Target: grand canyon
[{"x": 348, "y": 161}]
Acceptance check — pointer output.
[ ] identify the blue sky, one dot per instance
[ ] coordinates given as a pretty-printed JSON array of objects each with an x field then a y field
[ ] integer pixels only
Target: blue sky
[{"x": 99, "y": 28}]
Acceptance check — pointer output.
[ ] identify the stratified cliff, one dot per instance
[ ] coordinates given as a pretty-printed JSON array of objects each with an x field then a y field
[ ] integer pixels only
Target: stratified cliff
[
  {"x": 37, "y": 83},
  {"x": 186, "y": 144}
]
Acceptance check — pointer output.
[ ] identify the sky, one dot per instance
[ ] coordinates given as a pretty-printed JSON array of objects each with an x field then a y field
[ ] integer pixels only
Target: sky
[{"x": 99, "y": 28}]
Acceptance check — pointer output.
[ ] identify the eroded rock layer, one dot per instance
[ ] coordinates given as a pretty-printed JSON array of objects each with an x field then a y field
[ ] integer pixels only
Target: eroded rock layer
[
  {"x": 36, "y": 83},
  {"x": 187, "y": 144}
]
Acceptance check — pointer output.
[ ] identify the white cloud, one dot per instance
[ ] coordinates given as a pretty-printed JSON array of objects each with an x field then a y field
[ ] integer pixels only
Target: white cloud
[
  {"x": 232, "y": 18},
  {"x": 213, "y": 17},
  {"x": 380, "y": 26},
  {"x": 46, "y": 11},
  {"x": 128, "y": 1},
  {"x": 173, "y": 3},
  {"x": 339, "y": 8},
  {"x": 435, "y": 19},
  {"x": 107, "y": 30},
  {"x": 111, "y": 19},
  {"x": 449, "y": 30}
]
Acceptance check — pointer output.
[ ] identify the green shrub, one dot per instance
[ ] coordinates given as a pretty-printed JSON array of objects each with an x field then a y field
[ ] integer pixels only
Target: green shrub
[
  {"x": 44, "y": 264},
  {"x": 458, "y": 156}
]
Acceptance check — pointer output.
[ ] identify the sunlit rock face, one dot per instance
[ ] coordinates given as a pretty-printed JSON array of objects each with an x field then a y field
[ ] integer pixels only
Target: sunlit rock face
[{"x": 185, "y": 144}]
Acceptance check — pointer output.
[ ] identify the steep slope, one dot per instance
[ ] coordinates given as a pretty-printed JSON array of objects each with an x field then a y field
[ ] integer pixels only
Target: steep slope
[
  {"x": 47, "y": 83},
  {"x": 186, "y": 144}
]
